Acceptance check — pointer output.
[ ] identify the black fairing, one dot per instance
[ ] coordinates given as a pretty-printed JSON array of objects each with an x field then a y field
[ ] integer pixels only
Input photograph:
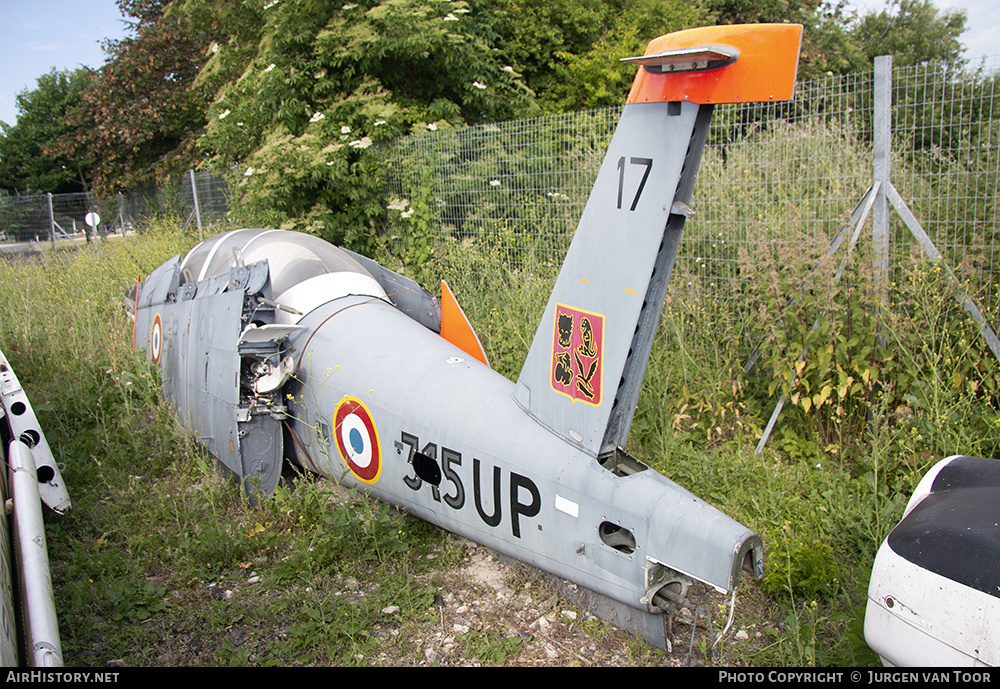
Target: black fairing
[{"x": 955, "y": 530}]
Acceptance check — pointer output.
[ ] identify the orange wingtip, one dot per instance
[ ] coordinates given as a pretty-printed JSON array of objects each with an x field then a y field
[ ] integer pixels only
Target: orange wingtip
[
  {"x": 455, "y": 327},
  {"x": 765, "y": 69}
]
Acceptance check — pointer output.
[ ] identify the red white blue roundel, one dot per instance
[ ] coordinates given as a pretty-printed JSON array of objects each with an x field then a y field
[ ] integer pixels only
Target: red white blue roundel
[
  {"x": 357, "y": 439},
  {"x": 156, "y": 339}
]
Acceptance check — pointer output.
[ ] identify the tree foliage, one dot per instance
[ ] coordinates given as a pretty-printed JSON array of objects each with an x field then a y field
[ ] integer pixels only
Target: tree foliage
[
  {"x": 570, "y": 52},
  {"x": 292, "y": 94},
  {"x": 326, "y": 81},
  {"x": 141, "y": 114},
  {"x": 24, "y": 164},
  {"x": 912, "y": 31}
]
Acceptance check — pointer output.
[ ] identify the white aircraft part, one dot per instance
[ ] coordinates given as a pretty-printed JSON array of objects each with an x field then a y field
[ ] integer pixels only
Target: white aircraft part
[
  {"x": 24, "y": 425},
  {"x": 916, "y": 618},
  {"x": 305, "y": 296},
  {"x": 8, "y": 619},
  {"x": 934, "y": 594},
  {"x": 37, "y": 599}
]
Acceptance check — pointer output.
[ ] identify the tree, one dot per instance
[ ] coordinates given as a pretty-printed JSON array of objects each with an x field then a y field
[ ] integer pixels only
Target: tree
[
  {"x": 569, "y": 51},
  {"x": 140, "y": 115},
  {"x": 595, "y": 76},
  {"x": 293, "y": 93},
  {"x": 828, "y": 47},
  {"x": 329, "y": 79},
  {"x": 25, "y": 165},
  {"x": 913, "y": 32}
]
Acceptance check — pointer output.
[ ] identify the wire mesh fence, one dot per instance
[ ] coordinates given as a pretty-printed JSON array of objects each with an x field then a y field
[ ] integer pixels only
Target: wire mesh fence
[
  {"x": 946, "y": 164},
  {"x": 34, "y": 218},
  {"x": 513, "y": 190},
  {"x": 772, "y": 173}
]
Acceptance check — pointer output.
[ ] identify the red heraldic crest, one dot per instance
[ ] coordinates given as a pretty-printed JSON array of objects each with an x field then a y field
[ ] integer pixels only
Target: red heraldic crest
[{"x": 577, "y": 354}]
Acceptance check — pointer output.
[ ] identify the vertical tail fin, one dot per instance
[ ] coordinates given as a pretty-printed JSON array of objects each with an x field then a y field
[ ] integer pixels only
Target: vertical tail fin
[{"x": 586, "y": 363}]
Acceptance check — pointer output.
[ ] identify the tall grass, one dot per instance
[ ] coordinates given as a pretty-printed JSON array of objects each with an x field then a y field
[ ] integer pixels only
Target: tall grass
[
  {"x": 158, "y": 561},
  {"x": 144, "y": 562},
  {"x": 879, "y": 384}
]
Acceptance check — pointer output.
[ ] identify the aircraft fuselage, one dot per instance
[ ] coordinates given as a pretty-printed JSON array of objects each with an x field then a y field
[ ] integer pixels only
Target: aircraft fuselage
[{"x": 380, "y": 400}]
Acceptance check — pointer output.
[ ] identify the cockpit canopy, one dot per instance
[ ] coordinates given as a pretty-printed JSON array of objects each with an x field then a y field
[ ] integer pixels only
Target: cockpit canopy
[{"x": 305, "y": 270}]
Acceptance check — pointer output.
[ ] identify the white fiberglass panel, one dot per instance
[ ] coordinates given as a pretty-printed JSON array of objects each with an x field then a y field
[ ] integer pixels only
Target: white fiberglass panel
[{"x": 293, "y": 258}]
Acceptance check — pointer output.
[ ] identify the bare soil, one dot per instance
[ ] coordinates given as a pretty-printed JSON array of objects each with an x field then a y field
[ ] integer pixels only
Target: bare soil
[
  {"x": 517, "y": 601},
  {"x": 487, "y": 612}
]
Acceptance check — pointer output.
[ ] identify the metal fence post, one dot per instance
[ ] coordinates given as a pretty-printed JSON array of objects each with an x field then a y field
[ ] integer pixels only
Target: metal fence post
[
  {"x": 52, "y": 222},
  {"x": 197, "y": 210},
  {"x": 882, "y": 166},
  {"x": 121, "y": 212}
]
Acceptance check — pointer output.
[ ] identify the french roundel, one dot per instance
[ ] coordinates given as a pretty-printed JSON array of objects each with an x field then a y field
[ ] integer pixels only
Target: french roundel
[
  {"x": 156, "y": 339},
  {"x": 357, "y": 439}
]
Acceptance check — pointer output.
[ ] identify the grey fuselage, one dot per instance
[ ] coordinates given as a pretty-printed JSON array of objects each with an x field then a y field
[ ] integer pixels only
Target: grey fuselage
[{"x": 506, "y": 481}]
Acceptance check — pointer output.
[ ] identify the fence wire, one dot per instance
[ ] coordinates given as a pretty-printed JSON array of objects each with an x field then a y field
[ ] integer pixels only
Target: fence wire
[
  {"x": 769, "y": 170},
  {"x": 946, "y": 167},
  {"x": 34, "y": 218},
  {"x": 515, "y": 190},
  {"x": 772, "y": 174}
]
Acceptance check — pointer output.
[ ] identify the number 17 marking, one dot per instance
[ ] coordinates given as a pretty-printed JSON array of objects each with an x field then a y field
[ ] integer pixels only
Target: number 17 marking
[{"x": 648, "y": 163}]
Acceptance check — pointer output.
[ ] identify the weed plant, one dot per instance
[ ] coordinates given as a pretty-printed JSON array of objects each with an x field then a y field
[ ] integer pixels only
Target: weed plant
[{"x": 879, "y": 380}]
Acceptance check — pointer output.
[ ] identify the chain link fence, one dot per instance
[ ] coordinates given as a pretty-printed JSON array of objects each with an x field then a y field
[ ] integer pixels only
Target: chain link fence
[
  {"x": 806, "y": 170},
  {"x": 911, "y": 154},
  {"x": 28, "y": 220}
]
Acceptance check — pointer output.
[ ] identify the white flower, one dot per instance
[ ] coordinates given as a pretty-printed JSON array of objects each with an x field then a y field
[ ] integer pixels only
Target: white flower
[
  {"x": 215, "y": 47},
  {"x": 407, "y": 213},
  {"x": 379, "y": 123},
  {"x": 349, "y": 6},
  {"x": 451, "y": 18},
  {"x": 223, "y": 115},
  {"x": 363, "y": 142},
  {"x": 398, "y": 204},
  {"x": 270, "y": 67},
  {"x": 433, "y": 127},
  {"x": 317, "y": 116},
  {"x": 271, "y": 4},
  {"x": 345, "y": 129},
  {"x": 248, "y": 172},
  {"x": 508, "y": 68},
  {"x": 494, "y": 183},
  {"x": 479, "y": 85}
]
